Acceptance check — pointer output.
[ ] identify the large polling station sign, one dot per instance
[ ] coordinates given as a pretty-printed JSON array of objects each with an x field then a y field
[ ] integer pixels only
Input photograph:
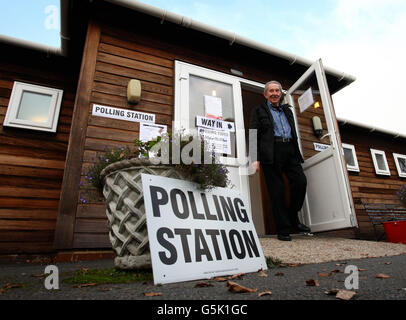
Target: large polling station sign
[{"x": 195, "y": 234}]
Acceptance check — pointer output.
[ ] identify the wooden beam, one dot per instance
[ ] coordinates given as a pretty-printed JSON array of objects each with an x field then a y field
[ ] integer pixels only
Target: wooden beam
[{"x": 70, "y": 190}]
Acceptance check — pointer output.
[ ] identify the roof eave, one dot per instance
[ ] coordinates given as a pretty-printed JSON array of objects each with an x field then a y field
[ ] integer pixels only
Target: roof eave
[{"x": 165, "y": 15}]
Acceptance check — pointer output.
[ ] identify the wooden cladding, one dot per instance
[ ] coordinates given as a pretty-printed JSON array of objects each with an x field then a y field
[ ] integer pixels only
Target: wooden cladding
[
  {"x": 367, "y": 186},
  {"x": 305, "y": 127},
  {"x": 32, "y": 163},
  {"x": 115, "y": 63}
]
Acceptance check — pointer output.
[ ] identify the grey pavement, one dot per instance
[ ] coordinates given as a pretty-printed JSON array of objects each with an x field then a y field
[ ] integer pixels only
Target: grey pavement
[{"x": 285, "y": 283}]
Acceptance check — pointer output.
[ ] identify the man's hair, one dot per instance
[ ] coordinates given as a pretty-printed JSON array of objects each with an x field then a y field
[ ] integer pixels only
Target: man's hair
[{"x": 273, "y": 82}]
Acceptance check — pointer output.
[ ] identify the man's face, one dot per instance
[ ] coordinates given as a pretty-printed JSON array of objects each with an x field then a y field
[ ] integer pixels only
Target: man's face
[{"x": 273, "y": 94}]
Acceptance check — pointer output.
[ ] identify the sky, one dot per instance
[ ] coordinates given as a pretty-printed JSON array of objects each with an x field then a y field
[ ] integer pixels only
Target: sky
[{"x": 363, "y": 38}]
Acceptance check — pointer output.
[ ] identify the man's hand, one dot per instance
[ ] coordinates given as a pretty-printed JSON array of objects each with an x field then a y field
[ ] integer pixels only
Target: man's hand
[{"x": 256, "y": 165}]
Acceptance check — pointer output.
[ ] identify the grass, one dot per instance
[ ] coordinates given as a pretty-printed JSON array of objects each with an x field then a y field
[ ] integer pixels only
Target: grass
[
  {"x": 105, "y": 276},
  {"x": 272, "y": 262}
]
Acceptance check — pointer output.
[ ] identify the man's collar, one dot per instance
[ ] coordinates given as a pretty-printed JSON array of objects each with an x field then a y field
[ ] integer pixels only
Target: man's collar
[{"x": 269, "y": 104}]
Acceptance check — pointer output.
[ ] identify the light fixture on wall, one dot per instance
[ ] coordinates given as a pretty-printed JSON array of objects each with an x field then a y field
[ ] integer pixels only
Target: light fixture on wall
[
  {"x": 317, "y": 127},
  {"x": 134, "y": 91}
]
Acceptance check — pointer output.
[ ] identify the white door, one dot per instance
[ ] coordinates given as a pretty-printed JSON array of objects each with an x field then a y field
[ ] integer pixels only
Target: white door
[
  {"x": 328, "y": 204},
  {"x": 194, "y": 86}
]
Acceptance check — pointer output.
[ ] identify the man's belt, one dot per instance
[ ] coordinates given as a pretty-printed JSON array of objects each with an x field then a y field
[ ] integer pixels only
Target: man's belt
[{"x": 280, "y": 139}]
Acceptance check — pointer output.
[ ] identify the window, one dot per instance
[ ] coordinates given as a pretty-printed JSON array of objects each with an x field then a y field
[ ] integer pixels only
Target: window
[
  {"x": 380, "y": 163},
  {"x": 33, "y": 107},
  {"x": 400, "y": 161},
  {"x": 350, "y": 157}
]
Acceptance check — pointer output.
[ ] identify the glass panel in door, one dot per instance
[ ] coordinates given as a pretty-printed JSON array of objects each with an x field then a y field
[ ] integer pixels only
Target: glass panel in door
[{"x": 212, "y": 99}]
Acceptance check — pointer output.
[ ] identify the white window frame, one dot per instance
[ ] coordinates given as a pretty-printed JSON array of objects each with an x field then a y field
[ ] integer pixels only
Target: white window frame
[
  {"x": 19, "y": 88},
  {"x": 398, "y": 156},
  {"x": 355, "y": 167},
  {"x": 375, "y": 152}
]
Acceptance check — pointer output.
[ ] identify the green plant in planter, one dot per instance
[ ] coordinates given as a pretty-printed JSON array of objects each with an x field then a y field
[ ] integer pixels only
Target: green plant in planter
[
  {"x": 401, "y": 193},
  {"x": 186, "y": 153}
]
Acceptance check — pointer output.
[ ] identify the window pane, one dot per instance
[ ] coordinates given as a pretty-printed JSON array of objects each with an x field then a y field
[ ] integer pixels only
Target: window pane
[
  {"x": 34, "y": 107},
  {"x": 348, "y": 157},
  {"x": 380, "y": 161},
  {"x": 209, "y": 98},
  {"x": 402, "y": 164}
]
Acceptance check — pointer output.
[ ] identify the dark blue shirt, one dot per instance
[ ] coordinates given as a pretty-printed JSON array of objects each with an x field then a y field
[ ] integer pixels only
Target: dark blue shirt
[{"x": 281, "y": 127}]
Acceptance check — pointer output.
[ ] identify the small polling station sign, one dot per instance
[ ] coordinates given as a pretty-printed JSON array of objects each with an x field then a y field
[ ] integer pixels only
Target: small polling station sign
[{"x": 195, "y": 234}]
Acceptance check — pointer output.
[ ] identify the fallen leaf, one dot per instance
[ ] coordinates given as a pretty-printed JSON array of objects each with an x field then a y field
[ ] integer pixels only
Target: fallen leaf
[
  {"x": 382, "y": 276},
  {"x": 345, "y": 295},
  {"x": 239, "y": 276},
  {"x": 360, "y": 269},
  {"x": 332, "y": 292},
  {"x": 220, "y": 279},
  {"x": 312, "y": 283},
  {"x": 387, "y": 263},
  {"x": 320, "y": 274},
  {"x": 236, "y": 288},
  {"x": 335, "y": 271},
  {"x": 39, "y": 275},
  {"x": 13, "y": 285},
  {"x": 265, "y": 293},
  {"x": 262, "y": 273},
  {"x": 84, "y": 285},
  {"x": 279, "y": 274},
  {"x": 293, "y": 265},
  {"x": 203, "y": 284},
  {"x": 152, "y": 294},
  {"x": 2, "y": 290}
]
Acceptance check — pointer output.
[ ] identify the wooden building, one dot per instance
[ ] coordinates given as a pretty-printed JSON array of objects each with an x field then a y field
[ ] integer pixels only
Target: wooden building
[
  {"x": 373, "y": 180},
  {"x": 112, "y": 42}
]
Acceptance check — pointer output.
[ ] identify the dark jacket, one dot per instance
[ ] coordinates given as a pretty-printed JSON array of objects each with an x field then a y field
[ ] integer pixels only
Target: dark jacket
[{"x": 261, "y": 119}]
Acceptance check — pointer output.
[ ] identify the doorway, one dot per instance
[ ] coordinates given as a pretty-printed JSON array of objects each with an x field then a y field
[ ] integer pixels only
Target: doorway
[{"x": 260, "y": 201}]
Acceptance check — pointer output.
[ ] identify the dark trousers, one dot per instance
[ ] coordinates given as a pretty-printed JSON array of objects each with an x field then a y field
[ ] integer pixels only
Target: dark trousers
[{"x": 285, "y": 161}]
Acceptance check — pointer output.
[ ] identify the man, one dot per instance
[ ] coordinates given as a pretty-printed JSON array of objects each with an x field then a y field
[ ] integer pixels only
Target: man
[{"x": 279, "y": 153}]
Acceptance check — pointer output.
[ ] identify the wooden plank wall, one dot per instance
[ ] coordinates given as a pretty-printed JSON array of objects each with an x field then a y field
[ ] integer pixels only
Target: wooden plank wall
[
  {"x": 367, "y": 185},
  {"x": 32, "y": 163},
  {"x": 306, "y": 127},
  {"x": 118, "y": 61}
]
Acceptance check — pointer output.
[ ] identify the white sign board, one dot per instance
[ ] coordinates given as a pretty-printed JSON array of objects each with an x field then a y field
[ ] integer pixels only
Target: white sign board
[
  {"x": 306, "y": 100},
  {"x": 195, "y": 234},
  {"x": 320, "y": 146},
  {"x": 217, "y": 141},
  {"x": 149, "y": 131},
  {"x": 213, "y": 107},
  {"x": 214, "y": 124},
  {"x": 122, "y": 114}
]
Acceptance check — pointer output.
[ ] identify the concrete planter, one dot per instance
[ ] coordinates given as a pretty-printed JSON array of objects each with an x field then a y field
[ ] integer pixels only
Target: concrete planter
[{"x": 126, "y": 212}]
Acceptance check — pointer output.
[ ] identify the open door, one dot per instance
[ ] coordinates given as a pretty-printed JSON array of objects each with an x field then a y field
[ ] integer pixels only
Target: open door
[{"x": 328, "y": 204}]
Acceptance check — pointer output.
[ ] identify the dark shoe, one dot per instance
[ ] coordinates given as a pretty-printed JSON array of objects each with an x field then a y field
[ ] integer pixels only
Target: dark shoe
[
  {"x": 302, "y": 228},
  {"x": 284, "y": 237}
]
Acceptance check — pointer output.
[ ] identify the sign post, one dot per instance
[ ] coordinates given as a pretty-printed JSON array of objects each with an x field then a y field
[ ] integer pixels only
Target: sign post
[{"x": 195, "y": 234}]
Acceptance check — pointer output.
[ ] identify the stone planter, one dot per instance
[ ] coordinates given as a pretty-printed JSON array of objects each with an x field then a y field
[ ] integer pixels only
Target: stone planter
[{"x": 126, "y": 212}]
